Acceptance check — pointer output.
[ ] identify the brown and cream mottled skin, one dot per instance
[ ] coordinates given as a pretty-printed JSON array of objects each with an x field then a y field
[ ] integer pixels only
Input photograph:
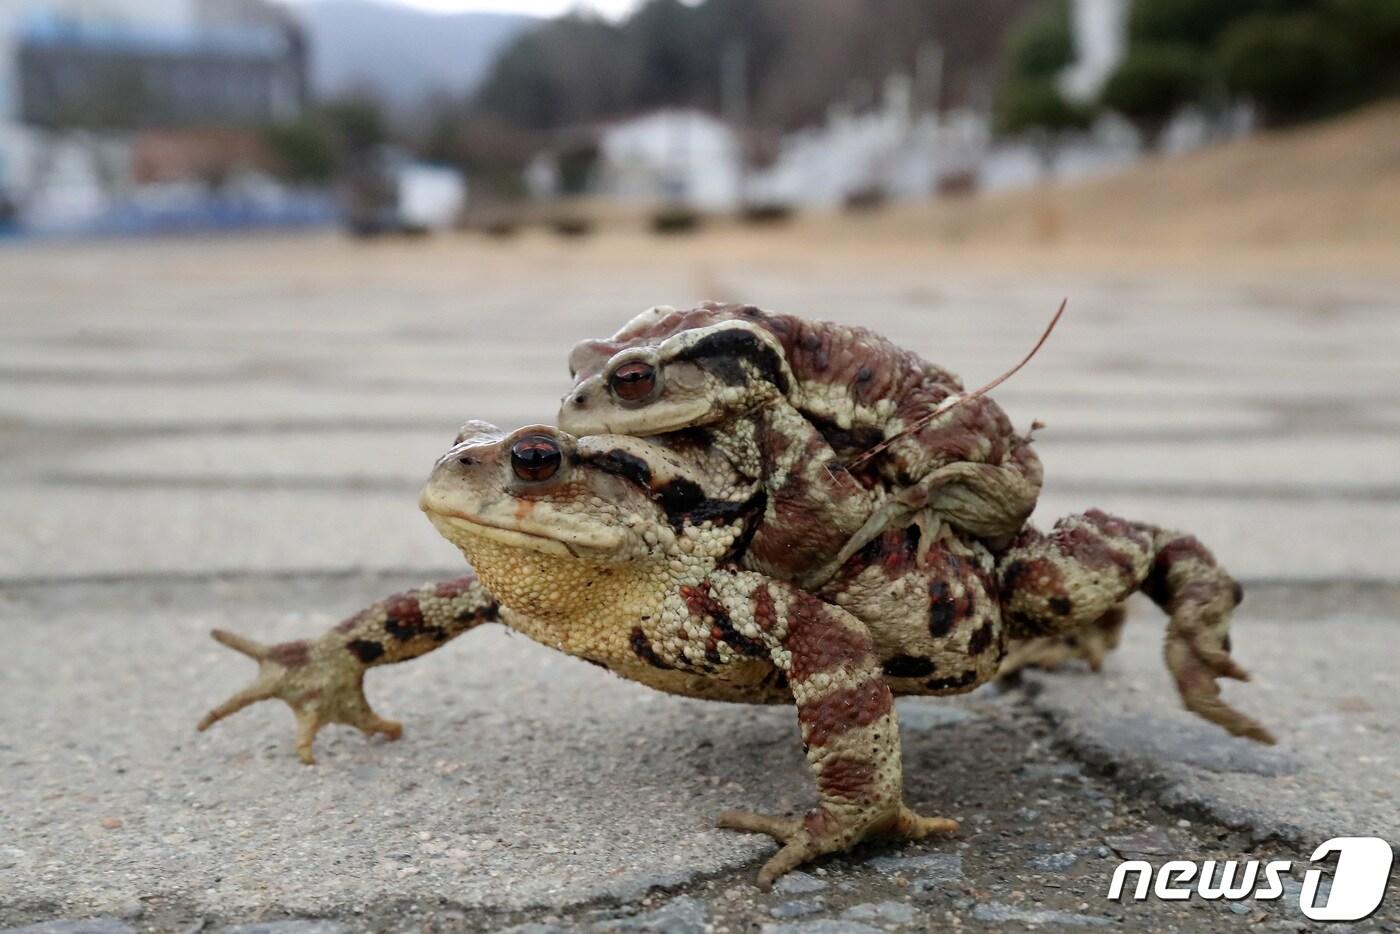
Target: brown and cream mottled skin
[
  {"x": 322, "y": 679},
  {"x": 735, "y": 370},
  {"x": 618, "y": 551}
]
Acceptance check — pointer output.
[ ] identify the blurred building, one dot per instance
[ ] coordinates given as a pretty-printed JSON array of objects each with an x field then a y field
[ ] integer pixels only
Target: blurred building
[
  {"x": 674, "y": 155},
  {"x": 98, "y": 97},
  {"x": 140, "y": 63},
  {"x": 889, "y": 151},
  {"x": 901, "y": 147},
  {"x": 678, "y": 156}
]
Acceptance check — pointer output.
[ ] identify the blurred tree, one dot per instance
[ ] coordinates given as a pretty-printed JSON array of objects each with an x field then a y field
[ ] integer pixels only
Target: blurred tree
[
  {"x": 1295, "y": 59},
  {"x": 565, "y": 72},
  {"x": 576, "y": 166},
  {"x": 669, "y": 63},
  {"x": 492, "y": 152},
  {"x": 303, "y": 151},
  {"x": 1289, "y": 66},
  {"x": 1028, "y": 102},
  {"x": 1035, "y": 109},
  {"x": 1370, "y": 30},
  {"x": 1199, "y": 22},
  {"x": 437, "y": 135},
  {"x": 1186, "y": 22},
  {"x": 327, "y": 140},
  {"x": 1151, "y": 84},
  {"x": 801, "y": 55},
  {"x": 355, "y": 123},
  {"x": 1041, "y": 44}
]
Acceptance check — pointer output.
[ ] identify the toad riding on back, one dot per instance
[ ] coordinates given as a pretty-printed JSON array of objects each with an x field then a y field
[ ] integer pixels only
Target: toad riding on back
[{"x": 693, "y": 553}]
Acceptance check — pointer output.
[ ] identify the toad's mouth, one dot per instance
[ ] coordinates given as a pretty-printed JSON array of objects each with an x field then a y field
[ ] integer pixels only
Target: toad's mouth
[
  {"x": 644, "y": 422},
  {"x": 462, "y": 530}
]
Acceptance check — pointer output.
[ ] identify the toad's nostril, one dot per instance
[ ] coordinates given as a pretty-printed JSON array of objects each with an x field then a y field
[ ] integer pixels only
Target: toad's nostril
[
  {"x": 467, "y": 461},
  {"x": 580, "y": 401}
]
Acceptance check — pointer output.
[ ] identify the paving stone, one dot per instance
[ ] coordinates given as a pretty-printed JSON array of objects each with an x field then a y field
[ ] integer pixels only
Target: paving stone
[
  {"x": 1154, "y": 842},
  {"x": 892, "y": 912},
  {"x": 683, "y": 915},
  {"x": 998, "y": 913},
  {"x": 925, "y": 713},
  {"x": 288, "y": 927},
  {"x": 798, "y": 882},
  {"x": 1053, "y": 862},
  {"x": 166, "y": 413},
  {"x": 1296, "y": 790},
  {"x": 822, "y": 926},
  {"x": 940, "y": 867},
  {"x": 491, "y": 740},
  {"x": 796, "y": 908}
]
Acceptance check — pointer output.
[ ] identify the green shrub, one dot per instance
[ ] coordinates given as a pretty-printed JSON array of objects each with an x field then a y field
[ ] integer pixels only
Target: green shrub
[
  {"x": 1289, "y": 66},
  {"x": 1041, "y": 44},
  {"x": 1199, "y": 22},
  {"x": 676, "y": 218},
  {"x": 864, "y": 200},
  {"x": 303, "y": 151},
  {"x": 1037, "y": 105},
  {"x": 1151, "y": 84},
  {"x": 1370, "y": 31},
  {"x": 569, "y": 225},
  {"x": 1194, "y": 22},
  {"x": 766, "y": 212}
]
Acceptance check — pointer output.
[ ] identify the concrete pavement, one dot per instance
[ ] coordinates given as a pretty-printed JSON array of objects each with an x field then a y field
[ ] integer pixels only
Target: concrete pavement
[{"x": 232, "y": 433}]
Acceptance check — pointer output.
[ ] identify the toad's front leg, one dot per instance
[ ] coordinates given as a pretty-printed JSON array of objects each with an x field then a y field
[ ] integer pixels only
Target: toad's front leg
[
  {"x": 847, "y": 717},
  {"x": 322, "y": 679}
]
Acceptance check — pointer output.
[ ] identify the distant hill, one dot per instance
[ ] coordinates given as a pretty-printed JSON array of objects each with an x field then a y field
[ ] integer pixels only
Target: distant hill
[{"x": 401, "y": 53}]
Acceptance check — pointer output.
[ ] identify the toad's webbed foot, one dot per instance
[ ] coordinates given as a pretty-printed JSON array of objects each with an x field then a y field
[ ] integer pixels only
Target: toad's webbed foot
[
  {"x": 822, "y": 832},
  {"x": 845, "y": 711},
  {"x": 318, "y": 691},
  {"x": 1198, "y": 642},
  {"x": 322, "y": 679}
]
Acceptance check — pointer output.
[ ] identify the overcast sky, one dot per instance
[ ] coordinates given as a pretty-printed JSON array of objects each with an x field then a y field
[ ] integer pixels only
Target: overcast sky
[{"x": 610, "y": 8}]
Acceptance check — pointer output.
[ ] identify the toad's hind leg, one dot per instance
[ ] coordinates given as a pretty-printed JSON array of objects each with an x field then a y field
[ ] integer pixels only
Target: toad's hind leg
[
  {"x": 846, "y": 714},
  {"x": 1064, "y": 581},
  {"x": 991, "y": 503}
]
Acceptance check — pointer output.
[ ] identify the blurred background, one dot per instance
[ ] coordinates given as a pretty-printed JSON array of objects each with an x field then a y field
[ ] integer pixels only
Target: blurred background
[
  {"x": 248, "y": 239},
  {"x": 259, "y": 260},
  {"x": 138, "y": 116}
]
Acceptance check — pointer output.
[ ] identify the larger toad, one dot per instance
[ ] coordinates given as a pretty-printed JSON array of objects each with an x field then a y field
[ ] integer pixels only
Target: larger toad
[{"x": 611, "y": 549}]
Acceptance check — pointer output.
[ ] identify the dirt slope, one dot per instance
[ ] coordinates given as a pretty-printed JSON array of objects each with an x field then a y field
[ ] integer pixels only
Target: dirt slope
[{"x": 1336, "y": 183}]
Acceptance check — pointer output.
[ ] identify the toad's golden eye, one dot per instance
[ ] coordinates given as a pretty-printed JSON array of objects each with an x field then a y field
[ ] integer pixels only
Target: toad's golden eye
[
  {"x": 633, "y": 381},
  {"x": 535, "y": 458}
]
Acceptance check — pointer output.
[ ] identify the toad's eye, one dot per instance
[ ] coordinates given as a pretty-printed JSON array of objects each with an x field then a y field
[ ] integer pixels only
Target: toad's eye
[
  {"x": 535, "y": 458},
  {"x": 633, "y": 381}
]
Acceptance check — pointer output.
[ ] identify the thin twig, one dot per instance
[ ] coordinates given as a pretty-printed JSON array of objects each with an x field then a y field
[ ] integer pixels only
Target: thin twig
[{"x": 952, "y": 402}]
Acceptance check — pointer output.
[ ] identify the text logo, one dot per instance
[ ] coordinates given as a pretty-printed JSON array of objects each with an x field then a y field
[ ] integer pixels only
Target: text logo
[{"x": 1358, "y": 883}]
